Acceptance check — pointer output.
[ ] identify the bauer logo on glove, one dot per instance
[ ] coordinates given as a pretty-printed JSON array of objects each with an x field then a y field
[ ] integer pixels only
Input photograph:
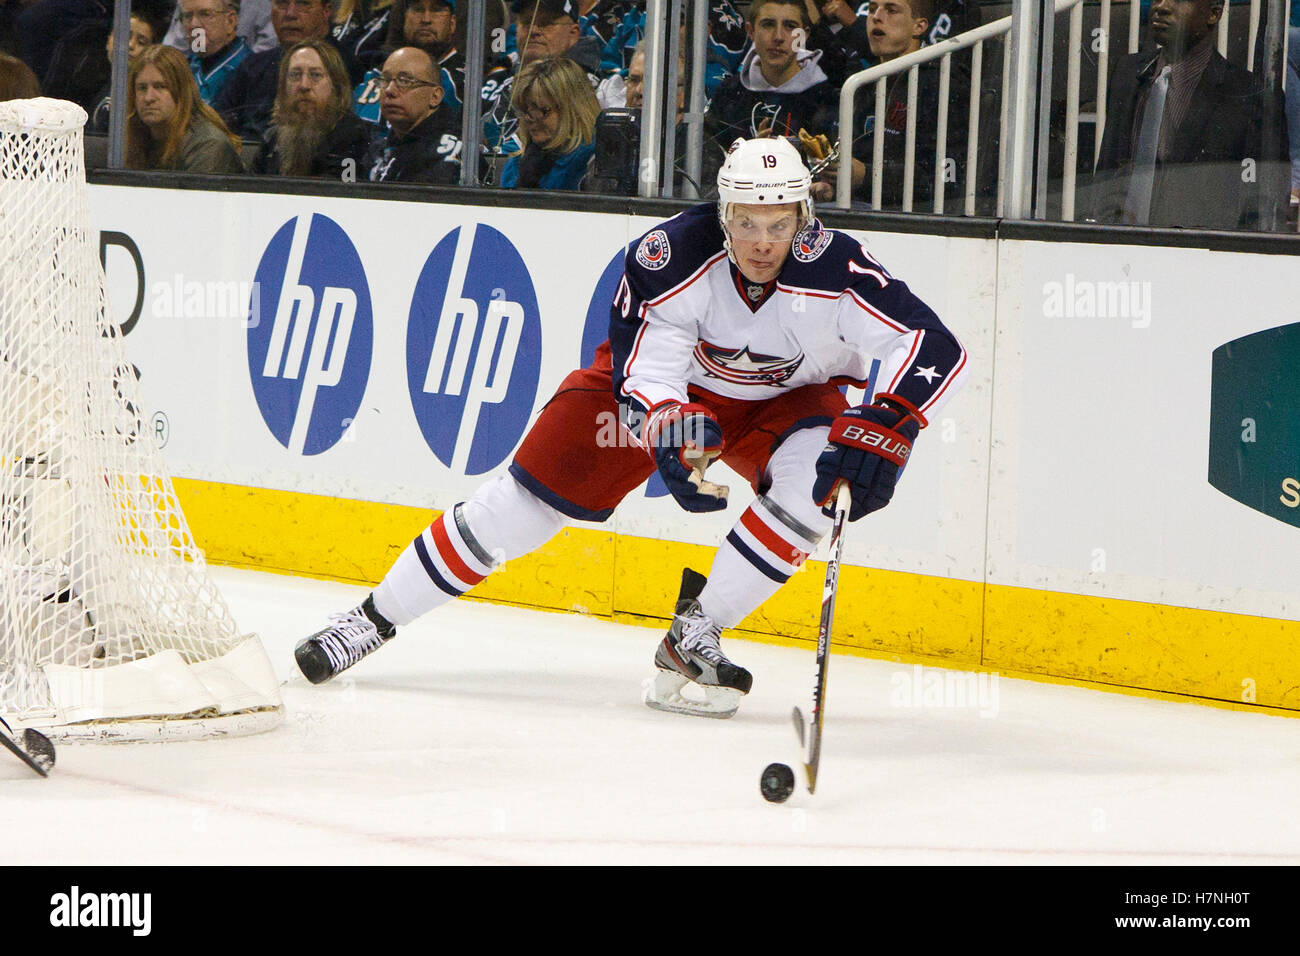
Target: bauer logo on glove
[
  {"x": 895, "y": 449},
  {"x": 868, "y": 448}
]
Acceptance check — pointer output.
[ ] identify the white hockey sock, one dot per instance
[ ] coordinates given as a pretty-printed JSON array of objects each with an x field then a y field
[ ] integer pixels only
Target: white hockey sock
[
  {"x": 758, "y": 556},
  {"x": 773, "y": 537},
  {"x": 502, "y": 521}
]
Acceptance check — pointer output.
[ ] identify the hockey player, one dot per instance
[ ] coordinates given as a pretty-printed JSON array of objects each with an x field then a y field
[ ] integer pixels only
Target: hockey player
[{"x": 730, "y": 334}]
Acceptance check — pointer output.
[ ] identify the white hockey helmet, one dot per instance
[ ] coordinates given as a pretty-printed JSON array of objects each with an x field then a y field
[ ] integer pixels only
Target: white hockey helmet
[{"x": 764, "y": 172}]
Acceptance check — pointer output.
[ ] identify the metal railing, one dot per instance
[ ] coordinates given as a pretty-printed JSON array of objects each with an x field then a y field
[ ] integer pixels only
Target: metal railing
[
  {"x": 911, "y": 63},
  {"x": 975, "y": 40}
]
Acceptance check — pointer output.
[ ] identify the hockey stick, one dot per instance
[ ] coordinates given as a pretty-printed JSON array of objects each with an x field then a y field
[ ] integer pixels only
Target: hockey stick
[
  {"x": 36, "y": 750},
  {"x": 813, "y": 730}
]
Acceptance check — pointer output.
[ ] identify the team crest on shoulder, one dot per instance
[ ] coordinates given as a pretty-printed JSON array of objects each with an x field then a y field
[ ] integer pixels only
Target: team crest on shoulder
[
  {"x": 811, "y": 242},
  {"x": 654, "y": 251}
]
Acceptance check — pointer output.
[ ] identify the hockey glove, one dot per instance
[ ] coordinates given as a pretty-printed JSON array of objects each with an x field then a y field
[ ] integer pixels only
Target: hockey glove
[
  {"x": 684, "y": 440},
  {"x": 869, "y": 446}
]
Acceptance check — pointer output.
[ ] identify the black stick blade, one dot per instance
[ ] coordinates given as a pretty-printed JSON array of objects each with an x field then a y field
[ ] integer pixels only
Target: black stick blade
[
  {"x": 36, "y": 750},
  {"x": 39, "y": 747},
  {"x": 37, "y": 765}
]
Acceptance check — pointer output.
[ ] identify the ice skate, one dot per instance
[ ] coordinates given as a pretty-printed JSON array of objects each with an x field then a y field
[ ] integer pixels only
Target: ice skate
[
  {"x": 350, "y": 637},
  {"x": 690, "y": 653}
]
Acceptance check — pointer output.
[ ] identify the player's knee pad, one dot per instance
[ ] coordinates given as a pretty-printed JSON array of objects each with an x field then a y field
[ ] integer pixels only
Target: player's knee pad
[
  {"x": 507, "y": 521},
  {"x": 791, "y": 472}
]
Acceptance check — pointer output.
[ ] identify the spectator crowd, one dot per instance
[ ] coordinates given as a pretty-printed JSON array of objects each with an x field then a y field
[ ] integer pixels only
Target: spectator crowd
[{"x": 374, "y": 90}]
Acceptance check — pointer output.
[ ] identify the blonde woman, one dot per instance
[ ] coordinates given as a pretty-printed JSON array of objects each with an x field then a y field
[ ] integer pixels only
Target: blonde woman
[
  {"x": 557, "y": 112},
  {"x": 167, "y": 125}
]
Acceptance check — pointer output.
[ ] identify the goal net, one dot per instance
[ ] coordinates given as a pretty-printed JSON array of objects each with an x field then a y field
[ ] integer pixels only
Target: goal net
[{"x": 110, "y": 627}]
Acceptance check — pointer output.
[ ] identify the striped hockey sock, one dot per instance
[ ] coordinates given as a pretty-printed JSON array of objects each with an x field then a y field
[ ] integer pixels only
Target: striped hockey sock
[
  {"x": 757, "y": 557},
  {"x": 437, "y": 566},
  {"x": 501, "y": 522}
]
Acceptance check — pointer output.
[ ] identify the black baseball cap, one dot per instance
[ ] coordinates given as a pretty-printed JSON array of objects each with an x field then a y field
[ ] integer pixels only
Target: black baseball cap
[{"x": 558, "y": 8}]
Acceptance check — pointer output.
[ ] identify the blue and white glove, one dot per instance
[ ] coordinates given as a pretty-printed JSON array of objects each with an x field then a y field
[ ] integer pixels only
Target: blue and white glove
[
  {"x": 869, "y": 447},
  {"x": 684, "y": 440}
]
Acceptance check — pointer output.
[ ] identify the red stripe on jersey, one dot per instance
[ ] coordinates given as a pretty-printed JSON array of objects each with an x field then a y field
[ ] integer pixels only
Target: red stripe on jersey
[
  {"x": 795, "y": 290},
  {"x": 781, "y": 549},
  {"x": 907, "y": 363},
  {"x": 447, "y": 551}
]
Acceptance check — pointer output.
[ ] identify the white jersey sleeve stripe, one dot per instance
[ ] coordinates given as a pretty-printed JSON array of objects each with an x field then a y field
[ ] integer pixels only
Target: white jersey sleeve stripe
[
  {"x": 917, "y": 337},
  {"x": 876, "y": 314}
]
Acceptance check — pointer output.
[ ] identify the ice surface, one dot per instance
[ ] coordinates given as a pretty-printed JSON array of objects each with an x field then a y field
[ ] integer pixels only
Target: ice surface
[{"x": 488, "y": 734}]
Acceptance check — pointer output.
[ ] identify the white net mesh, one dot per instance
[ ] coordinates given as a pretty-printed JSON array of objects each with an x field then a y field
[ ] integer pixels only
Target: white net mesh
[{"x": 101, "y": 583}]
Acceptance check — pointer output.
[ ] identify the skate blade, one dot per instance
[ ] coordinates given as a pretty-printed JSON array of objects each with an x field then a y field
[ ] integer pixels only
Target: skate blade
[{"x": 664, "y": 693}]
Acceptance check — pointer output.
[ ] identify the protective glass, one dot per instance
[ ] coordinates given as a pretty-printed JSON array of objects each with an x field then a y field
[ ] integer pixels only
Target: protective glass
[{"x": 749, "y": 228}]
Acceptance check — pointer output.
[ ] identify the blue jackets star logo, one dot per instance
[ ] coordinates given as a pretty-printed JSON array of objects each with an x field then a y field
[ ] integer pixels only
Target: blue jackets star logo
[{"x": 743, "y": 367}]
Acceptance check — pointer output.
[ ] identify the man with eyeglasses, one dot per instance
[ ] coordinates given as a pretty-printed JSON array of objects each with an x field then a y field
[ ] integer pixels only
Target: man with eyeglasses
[
  {"x": 254, "y": 26},
  {"x": 422, "y": 143},
  {"x": 246, "y": 99},
  {"x": 431, "y": 26},
  {"x": 215, "y": 49},
  {"x": 315, "y": 132},
  {"x": 731, "y": 330},
  {"x": 543, "y": 28}
]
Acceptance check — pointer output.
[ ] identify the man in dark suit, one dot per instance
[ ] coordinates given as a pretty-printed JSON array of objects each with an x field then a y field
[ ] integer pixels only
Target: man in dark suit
[{"x": 1184, "y": 142}]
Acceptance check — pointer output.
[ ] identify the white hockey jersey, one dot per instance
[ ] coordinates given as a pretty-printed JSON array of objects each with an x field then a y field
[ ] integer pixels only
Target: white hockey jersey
[{"x": 685, "y": 318}]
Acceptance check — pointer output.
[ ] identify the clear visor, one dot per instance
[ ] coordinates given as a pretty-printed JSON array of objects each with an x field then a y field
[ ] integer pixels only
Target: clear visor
[{"x": 749, "y": 228}]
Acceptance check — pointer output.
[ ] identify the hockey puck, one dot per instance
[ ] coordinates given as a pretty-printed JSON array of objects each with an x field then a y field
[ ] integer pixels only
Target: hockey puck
[{"x": 777, "y": 783}]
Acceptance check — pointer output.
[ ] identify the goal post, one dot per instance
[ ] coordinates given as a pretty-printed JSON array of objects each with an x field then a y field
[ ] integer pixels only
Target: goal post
[{"x": 110, "y": 625}]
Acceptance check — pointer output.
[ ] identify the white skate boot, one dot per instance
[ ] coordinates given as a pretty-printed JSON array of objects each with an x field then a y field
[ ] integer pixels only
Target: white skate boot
[{"x": 690, "y": 653}]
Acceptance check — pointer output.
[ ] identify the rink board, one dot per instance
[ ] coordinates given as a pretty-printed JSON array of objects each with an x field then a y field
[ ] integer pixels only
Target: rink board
[{"x": 1056, "y": 518}]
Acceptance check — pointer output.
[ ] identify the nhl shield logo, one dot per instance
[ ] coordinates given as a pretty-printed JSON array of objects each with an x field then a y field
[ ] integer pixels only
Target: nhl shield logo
[
  {"x": 811, "y": 242},
  {"x": 654, "y": 252}
]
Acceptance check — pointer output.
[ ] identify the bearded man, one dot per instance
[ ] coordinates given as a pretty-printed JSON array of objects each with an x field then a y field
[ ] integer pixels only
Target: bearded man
[{"x": 314, "y": 131}]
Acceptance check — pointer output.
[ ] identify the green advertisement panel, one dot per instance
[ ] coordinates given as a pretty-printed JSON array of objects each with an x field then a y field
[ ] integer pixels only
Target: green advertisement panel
[{"x": 1255, "y": 422}]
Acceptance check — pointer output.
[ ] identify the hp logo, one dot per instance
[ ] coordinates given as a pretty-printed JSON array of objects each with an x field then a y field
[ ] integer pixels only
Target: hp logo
[
  {"x": 473, "y": 349},
  {"x": 309, "y": 364}
]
